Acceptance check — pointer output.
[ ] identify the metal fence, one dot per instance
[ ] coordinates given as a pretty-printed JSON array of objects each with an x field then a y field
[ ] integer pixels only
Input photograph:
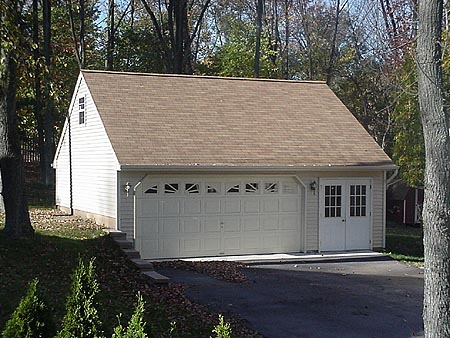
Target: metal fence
[{"x": 30, "y": 151}]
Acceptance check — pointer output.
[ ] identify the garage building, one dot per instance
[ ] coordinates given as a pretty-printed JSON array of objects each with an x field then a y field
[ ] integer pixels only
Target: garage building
[{"x": 205, "y": 166}]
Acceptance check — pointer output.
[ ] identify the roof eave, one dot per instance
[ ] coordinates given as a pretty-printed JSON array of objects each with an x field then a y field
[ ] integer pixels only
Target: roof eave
[{"x": 229, "y": 168}]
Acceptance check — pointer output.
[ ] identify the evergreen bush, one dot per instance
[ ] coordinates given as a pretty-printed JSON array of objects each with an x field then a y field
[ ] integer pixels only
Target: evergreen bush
[
  {"x": 136, "y": 325},
  {"x": 82, "y": 319},
  {"x": 222, "y": 330},
  {"x": 31, "y": 318}
]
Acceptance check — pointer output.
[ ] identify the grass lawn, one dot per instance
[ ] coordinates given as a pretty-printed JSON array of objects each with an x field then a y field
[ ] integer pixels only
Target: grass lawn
[
  {"x": 404, "y": 243},
  {"x": 51, "y": 256}
]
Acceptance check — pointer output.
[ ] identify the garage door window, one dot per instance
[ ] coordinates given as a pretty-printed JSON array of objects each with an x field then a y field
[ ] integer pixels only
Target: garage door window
[
  {"x": 252, "y": 188},
  {"x": 170, "y": 188},
  {"x": 270, "y": 188},
  {"x": 192, "y": 188},
  {"x": 232, "y": 188},
  {"x": 213, "y": 188},
  {"x": 152, "y": 190}
]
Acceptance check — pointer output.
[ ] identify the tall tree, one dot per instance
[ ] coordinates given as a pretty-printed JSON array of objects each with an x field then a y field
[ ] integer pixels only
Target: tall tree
[
  {"x": 78, "y": 37},
  {"x": 49, "y": 142},
  {"x": 259, "y": 19},
  {"x": 17, "y": 222},
  {"x": 176, "y": 29},
  {"x": 436, "y": 211},
  {"x": 110, "y": 44}
]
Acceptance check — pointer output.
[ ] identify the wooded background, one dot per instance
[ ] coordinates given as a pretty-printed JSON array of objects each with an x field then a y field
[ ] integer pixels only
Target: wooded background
[{"x": 365, "y": 50}]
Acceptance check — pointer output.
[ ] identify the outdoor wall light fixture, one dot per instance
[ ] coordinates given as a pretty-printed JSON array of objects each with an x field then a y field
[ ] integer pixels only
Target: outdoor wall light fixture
[
  {"x": 127, "y": 188},
  {"x": 313, "y": 186}
]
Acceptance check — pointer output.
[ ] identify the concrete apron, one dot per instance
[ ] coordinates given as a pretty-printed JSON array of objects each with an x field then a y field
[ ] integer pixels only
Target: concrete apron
[{"x": 285, "y": 258}]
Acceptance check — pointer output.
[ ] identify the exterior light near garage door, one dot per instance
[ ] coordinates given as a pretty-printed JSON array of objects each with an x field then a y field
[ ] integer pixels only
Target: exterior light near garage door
[
  {"x": 127, "y": 188},
  {"x": 313, "y": 185}
]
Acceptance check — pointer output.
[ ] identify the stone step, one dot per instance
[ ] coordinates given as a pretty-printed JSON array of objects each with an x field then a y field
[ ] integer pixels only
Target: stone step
[
  {"x": 115, "y": 234},
  {"x": 124, "y": 244},
  {"x": 157, "y": 278},
  {"x": 142, "y": 264},
  {"x": 131, "y": 253}
]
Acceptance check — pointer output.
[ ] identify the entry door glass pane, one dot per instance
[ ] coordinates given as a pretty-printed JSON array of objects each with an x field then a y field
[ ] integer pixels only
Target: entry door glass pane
[
  {"x": 358, "y": 200},
  {"x": 333, "y": 200}
]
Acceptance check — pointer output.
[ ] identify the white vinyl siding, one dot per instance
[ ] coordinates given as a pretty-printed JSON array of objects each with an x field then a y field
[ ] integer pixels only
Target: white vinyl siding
[{"x": 94, "y": 164}]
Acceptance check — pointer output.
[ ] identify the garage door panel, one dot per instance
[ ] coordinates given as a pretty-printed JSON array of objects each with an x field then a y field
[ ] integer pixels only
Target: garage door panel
[
  {"x": 232, "y": 243},
  {"x": 150, "y": 247},
  {"x": 149, "y": 207},
  {"x": 192, "y": 225},
  {"x": 192, "y": 206},
  {"x": 250, "y": 223},
  {"x": 212, "y": 244},
  {"x": 191, "y": 245},
  {"x": 270, "y": 241},
  {"x": 232, "y": 206},
  {"x": 212, "y": 206},
  {"x": 170, "y": 207},
  {"x": 251, "y": 205},
  {"x": 252, "y": 243},
  {"x": 289, "y": 222},
  {"x": 271, "y": 205},
  {"x": 170, "y": 225},
  {"x": 231, "y": 224},
  {"x": 289, "y": 242},
  {"x": 290, "y": 204},
  {"x": 171, "y": 246},
  {"x": 149, "y": 227},
  {"x": 212, "y": 224},
  {"x": 269, "y": 222}
]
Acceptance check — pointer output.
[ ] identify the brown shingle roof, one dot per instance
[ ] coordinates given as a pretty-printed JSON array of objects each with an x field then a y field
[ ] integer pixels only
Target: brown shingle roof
[{"x": 191, "y": 120}]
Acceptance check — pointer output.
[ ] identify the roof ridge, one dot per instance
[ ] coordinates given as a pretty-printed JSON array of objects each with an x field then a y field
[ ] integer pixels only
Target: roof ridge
[{"x": 201, "y": 76}]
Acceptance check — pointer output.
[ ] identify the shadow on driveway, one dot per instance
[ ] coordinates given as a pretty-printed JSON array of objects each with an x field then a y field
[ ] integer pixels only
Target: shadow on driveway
[{"x": 357, "y": 299}]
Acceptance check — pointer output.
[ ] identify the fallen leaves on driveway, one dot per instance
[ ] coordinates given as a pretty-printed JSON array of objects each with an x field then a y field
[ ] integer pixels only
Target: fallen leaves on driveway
[{"x": 227, "y": 271}]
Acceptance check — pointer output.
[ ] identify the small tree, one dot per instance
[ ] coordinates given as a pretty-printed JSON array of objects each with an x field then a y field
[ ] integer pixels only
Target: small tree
[
  {"x": 31, "y": 318},
  {"x": 222, "y": 330},
  {"x": 136, "y": 325},
  {"x": 81, "y": 319}
]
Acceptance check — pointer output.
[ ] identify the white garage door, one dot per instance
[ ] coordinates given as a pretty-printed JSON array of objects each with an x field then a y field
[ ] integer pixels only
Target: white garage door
[{"x": 221, "y": 215}]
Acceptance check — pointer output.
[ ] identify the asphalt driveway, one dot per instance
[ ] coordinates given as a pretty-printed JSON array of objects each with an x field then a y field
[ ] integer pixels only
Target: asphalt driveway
[{"x": 339, "y": 299}]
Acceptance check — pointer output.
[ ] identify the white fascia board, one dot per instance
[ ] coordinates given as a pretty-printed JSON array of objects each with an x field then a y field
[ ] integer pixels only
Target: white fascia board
[{"x": 131, "y": 167}]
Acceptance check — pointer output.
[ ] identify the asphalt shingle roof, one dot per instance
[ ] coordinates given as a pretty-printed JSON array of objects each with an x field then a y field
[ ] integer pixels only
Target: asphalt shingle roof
[{"x": 154, "y": 119}]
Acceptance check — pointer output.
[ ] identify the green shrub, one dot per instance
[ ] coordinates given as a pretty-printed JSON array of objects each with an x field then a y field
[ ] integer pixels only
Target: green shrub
[
  {"x": 136, "y": 325},
  {"x": 81, "y": 319},
  {"x": 173, "y": 330},
  {"x": 31, "y": 318},
  {"x": 222, "y": 330}
]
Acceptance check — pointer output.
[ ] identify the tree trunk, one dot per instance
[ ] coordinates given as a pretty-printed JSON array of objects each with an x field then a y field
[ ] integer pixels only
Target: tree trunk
[
  {"x": 82, "y": 34},
  {"x": 330, "y": 68},
  {"x": 37, "y": 104},
  {"x": 111, "y": 36},
  {"x": 17, "y": 222},
  {"x": 49, "y": 146},
  {"x": 436, "y": 211},
  {"x": 286, "y": 42},
  {"x": 259, "y": 15}
]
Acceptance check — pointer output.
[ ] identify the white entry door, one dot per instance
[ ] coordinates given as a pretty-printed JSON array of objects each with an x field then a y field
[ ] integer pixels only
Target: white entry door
[
  {"x": 187, "y": 216},
  {"x": 345, "y": 215}
]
